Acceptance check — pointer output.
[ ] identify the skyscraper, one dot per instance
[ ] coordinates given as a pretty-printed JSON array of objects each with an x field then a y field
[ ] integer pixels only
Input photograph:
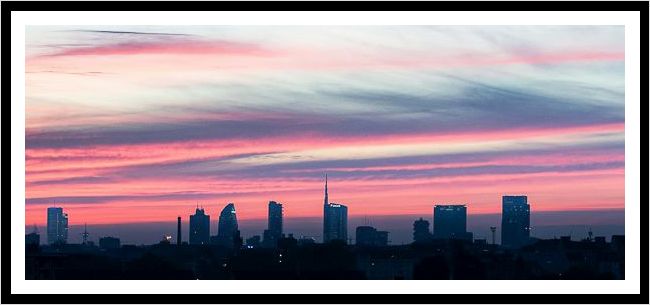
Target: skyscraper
[
  {"x": 335, "y": 220},
  {"x": 274, "y": 231},
  {"x": 57, "y": 226},
  {"x": 178, "y": 231},
  {"x": 450, "y": 222},
  {"x": 199, "y": 228},
  {"x": 421, "y": 231},
  {"x": 515, "y": 221},
  {"x": 228, "y": 234}
]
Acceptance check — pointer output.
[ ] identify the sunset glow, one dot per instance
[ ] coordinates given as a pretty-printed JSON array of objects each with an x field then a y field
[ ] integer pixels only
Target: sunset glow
[{"x": 140, "y": 124}]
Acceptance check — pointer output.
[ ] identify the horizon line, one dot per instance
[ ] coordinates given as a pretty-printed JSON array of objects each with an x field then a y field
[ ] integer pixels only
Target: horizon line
[{"x": 355, "y": 216}]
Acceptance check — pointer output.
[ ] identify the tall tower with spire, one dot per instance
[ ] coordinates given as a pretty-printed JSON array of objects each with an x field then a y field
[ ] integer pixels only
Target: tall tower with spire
[
  {"x": 335, "y": 219},
  {"x": 325, "y": 209}
]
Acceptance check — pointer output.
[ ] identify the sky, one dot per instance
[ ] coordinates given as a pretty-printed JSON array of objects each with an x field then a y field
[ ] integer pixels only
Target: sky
[{"x": 140, "y": 124}]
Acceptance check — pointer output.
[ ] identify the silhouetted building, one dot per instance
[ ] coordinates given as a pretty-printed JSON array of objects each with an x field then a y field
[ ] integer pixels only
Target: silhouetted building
[
  {"x": 450, "y": 222},
  {"x": 274, "y": 231},
  {"x": 306, "y": 241},
  {"x": 199, "y": 228},
  {"x": 421, "y": 231},
  {"x": 57, "y": 226},
  {"x": 365, "y": 236},
  {"x": 254, "y": 241},
  {"x": 287, "y": 242},
  {"x": 369, "y": 236},
  {"x": 515, "y": 221},
  {"x": 382, "y": 238},
  {"x": 335, "y": 220},
  {"x": 618, "y": 242},
  {"x": 228, "y": 235},
  {"x": 32, "y": 239},
  {"x": 178, "y": 232},
  {"x": 109, "y": 243}
]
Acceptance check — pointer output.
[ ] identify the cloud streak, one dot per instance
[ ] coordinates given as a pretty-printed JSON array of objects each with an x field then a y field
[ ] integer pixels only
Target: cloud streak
[
  {"x": 159, "y": 47},
  {"x": 125, "y": 121}
]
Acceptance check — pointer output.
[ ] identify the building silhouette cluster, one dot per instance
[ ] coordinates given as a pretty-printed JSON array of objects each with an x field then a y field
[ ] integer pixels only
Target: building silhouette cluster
[{"x": 448, "y": 251}]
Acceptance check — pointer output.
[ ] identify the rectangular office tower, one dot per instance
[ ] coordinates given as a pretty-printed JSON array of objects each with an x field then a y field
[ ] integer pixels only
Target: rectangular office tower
[
  {"x": 274, "y": 231},
  {"x": 515, "y": 221},
  {"x": 57, "y": 226},
  {"x": 335, "y": 222},
  {"x": 199, "y": 228},
  {"x": 450, "y": 222}
]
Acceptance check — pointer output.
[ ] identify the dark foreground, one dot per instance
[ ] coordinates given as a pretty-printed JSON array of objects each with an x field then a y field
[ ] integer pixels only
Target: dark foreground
[{"x": 438, "y": 259}]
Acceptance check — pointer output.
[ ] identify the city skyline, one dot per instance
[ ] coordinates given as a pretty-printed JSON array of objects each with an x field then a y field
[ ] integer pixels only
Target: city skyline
[
  {"x": 130, "y": 124},
  {"x": 449, "y": 221},
  {"x": 275, "y": 219},
  {"x": 449, "y": 252}
]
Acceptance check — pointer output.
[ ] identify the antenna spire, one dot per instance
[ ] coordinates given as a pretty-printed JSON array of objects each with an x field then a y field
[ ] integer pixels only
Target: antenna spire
[{"x": 326, "y": 199}]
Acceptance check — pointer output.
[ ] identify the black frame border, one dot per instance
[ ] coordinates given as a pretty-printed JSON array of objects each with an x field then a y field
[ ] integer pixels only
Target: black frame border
[{"x": 8, "y": 6}]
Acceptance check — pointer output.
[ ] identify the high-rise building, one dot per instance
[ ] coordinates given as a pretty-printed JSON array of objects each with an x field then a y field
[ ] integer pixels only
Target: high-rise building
[
  {"x": 199, "y": 228},
  {"x": 228, "y": 234},
  {"x": 178, "y": 231},
  {"x": 421, "y": 231},
  {"x": 515, "y": 221},
  {"x": 57, "y": 226},
  {"x": 450, "y": 222},
  {"x": 335, "y": 220},
  {"x": 274, "y": 231},
  {"x": 369, "y": 236}
]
